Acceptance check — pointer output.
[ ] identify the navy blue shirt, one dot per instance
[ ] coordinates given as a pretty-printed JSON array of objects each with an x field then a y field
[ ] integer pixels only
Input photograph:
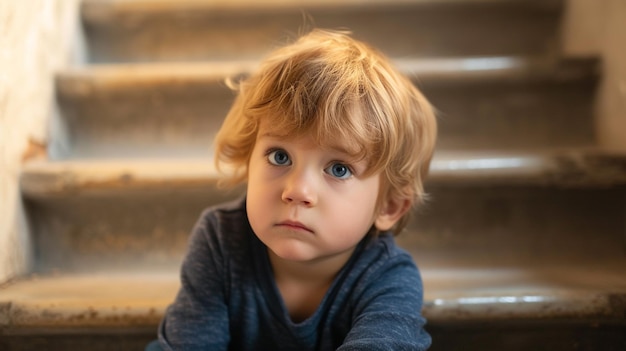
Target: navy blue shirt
[{"x": 228, "y": 299}]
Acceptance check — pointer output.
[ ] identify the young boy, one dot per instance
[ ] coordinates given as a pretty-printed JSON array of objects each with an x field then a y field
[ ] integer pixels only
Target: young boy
[{"x": 334, "y": 145}]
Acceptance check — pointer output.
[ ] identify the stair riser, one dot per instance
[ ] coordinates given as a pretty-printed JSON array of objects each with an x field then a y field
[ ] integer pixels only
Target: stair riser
[
  {"x": 514, "y": 116},
  {"x": 143, "y": 231},
  {"x": 120, "y": 339},
  {"x": 521, "y": 222},
  {"x": 404, "y": 30},
  {"x": 565, "y": 335},
  {"x": 587, "y": 335},
  {"x": 160, "y": 121},
  {"x": 182, "y": 118},
  {"x": 148, "y": 230}
]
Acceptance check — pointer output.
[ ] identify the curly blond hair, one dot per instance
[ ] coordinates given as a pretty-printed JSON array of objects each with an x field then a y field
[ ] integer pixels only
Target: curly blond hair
[{"x": 333, "y": 87}]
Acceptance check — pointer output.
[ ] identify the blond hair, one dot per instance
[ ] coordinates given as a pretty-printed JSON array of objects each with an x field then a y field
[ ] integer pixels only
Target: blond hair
[{"x": 333, "y": 87}]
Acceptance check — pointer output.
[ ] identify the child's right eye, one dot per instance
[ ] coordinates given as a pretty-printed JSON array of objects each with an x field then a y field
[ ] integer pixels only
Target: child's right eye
[{"x": 279, "y": 158}]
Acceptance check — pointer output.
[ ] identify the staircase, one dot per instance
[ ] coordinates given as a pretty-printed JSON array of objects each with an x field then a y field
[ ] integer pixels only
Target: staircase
[{"x": 523, "y": 245}]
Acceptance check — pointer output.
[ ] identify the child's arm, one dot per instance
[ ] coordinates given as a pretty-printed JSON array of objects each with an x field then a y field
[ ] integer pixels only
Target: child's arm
[
  {"x": 198, "y": 318},
  {"x": 388, "y": 312}
]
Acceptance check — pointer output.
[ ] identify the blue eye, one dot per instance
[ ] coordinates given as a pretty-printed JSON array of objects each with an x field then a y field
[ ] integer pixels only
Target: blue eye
[
  {"x": 279, "y": 158},
  {"x": 339, "y": 170}
]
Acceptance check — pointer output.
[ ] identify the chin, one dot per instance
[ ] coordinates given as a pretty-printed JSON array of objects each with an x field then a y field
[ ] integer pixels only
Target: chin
[{"x": 290, "y": 253}]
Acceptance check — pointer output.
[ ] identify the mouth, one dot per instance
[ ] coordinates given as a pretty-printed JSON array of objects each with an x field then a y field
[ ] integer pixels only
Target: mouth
[{"x": 294, "y": 225}]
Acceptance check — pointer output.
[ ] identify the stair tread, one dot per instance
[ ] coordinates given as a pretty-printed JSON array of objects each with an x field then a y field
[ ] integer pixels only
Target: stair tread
[
  {"x": 582, "y": 167},
  {"x": 66, "y": 177},
  {"x": 535, "y": 290},
  {"x": 452, "y": 293},
  {"x": 101, "y": 300},
  {"x": 104, "y": 77}
]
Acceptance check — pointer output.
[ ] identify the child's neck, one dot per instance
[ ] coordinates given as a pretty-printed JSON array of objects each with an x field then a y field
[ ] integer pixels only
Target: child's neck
[{"x": 303, "y": 285}]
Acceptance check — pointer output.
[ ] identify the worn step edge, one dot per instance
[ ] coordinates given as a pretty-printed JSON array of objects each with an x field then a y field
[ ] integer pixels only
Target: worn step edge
[
  {"x": 80, "y": 80},
  {"x": 567, "y": 168},
  {"x": 42, "y": 178},
  {"x": 561, "y": 168},
  {"x": 101, "y": 300},
  {"x": 86, "y": 80},
  {"x": 94, "y": 300},
  {"x": 99, "y": 11}
]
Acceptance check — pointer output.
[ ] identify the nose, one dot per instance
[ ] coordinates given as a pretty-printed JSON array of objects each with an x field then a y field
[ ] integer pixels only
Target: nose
[{"x": 300, "y": 188}]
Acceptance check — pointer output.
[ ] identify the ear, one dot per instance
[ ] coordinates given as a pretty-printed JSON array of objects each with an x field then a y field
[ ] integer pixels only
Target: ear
[{"x": 391, "y": 211}]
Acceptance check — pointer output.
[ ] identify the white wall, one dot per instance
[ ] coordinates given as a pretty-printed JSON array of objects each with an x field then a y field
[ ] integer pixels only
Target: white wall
[{"x": 36, "y": 39}]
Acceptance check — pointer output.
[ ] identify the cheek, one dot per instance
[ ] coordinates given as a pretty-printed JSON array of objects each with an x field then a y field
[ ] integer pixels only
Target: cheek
[
  {"x": 254, "y": 192},
  {"x": 357, "y": 209},
  {"x": 257, "y": 206},
  {"x": 256, "y": 174},
  {"x": 349, "y": 226},
  {"x": 261, "y": 182}
]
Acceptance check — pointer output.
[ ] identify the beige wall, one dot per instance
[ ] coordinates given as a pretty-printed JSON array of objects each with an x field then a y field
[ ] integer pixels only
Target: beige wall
[
  {"x": 612, "y": 99},
  {"x": 35, "y": 40},
  {"x": 598, "y": 28}
]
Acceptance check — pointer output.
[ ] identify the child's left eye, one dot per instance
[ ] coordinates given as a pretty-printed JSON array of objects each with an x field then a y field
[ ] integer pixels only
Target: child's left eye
[{"x": 339, "y": 170}]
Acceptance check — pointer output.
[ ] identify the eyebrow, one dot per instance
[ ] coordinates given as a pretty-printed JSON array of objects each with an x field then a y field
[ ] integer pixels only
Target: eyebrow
[
  {"x": 273, "y": 135},
  {"x": 343, "y": 150}
]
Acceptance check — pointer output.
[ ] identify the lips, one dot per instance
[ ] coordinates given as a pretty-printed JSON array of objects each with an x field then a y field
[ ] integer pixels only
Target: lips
[{"x": 294, "y": 225}]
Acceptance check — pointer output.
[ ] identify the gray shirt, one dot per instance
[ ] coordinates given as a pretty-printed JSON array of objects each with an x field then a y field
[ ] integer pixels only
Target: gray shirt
[{"x": 228, "y": 299}]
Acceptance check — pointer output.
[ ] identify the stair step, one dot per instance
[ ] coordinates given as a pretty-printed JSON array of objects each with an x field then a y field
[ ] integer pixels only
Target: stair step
[
  {"x": 175, "y": 110},
  {"x": 530, "y": 292},
  {"x": 582, "y": 168},
  {"x": 41, "y": 179},
  {"x": 558, "y": 168},
  {"x": 93, "y": 300},
  {"x": 149, "y": 230},
  {"x": 115, "y": 215},
  {"x": 157, "y": 30}
]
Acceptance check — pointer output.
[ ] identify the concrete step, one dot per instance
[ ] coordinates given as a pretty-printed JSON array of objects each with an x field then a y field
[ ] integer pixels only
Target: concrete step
[
  {"x": 188, "y": 30},
  {"x": 175, "y": 110},
  {"x": 537, "y": 295},
  {"x": 43, "y": 179},
  {"x": 95, "y": 216}
]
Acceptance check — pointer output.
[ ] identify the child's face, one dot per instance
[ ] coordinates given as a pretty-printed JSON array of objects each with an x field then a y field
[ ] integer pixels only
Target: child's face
[{"x": 306, "y": 202}]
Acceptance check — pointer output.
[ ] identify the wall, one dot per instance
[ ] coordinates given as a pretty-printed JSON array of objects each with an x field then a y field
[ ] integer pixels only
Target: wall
[
  {"x": 611, "y": 116},
  {"x": 598, "y": 28},
  {"x": 37, "y": 38}
]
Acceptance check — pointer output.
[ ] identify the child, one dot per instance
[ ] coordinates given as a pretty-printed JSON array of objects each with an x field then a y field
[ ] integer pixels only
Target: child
[{"x": 334, "y": 145}]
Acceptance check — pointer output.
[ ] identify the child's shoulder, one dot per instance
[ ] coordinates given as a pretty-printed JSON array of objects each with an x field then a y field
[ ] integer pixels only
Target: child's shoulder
[
  {"x": 223, "y": 231},
  {"x": 381, "y": 254},
  {"x": 225, "y": 221},
  {"x": 385, "y": 247},
  {"x": 226, "y": 211},
  {"x": 234, "y": 205},
  {"x": 381, "y": 265}
]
